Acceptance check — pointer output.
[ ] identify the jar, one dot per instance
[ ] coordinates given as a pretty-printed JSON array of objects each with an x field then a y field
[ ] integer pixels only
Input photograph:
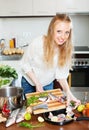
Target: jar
[{"x": 2, "y": 43}]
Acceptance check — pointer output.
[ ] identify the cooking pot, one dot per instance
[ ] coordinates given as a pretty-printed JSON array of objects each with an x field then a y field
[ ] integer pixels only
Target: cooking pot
[{"x": 12, "y": 96}]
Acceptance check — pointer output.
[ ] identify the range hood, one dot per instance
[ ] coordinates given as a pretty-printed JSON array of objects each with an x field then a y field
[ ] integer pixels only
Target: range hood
[{"x": 81, "y": 50}]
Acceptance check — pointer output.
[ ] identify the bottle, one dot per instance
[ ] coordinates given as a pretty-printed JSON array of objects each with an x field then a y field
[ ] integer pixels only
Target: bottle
[
  {"x": 85, "y": 100},
  {"x": 86, "y": 103},
  {"x": 2, "y": 43},
  {"x": 12, "y": 43}
]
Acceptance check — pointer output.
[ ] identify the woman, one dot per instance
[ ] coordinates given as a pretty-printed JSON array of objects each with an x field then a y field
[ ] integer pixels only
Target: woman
[{"x": 49, "y": 57}]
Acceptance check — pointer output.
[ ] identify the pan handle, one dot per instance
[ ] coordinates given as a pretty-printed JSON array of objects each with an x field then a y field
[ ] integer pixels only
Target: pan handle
[{"x": 82, "y": 118}]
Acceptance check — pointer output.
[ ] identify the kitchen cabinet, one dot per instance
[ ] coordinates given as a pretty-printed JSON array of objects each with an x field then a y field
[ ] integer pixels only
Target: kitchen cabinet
[
  {"x": 15, "y": 7},
  {"x": 44, "y": 7},
  {"x": 51, "y": 7},
  {"x": 72, "y": 6},
  {"x": 41, "y": 7},
  {"x": 83, "y": 6}
]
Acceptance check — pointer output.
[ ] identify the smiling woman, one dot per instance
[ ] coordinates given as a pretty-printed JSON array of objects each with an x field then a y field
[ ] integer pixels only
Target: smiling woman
[{"x": 48, "y": 58}]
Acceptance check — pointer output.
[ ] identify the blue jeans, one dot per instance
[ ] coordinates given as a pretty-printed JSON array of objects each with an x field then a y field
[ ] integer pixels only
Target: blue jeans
[{"x": 28, "y": 88}]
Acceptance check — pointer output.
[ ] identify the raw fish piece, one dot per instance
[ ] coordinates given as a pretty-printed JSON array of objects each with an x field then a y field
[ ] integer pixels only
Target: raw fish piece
[
  {"x": 54, "y": 119},
  {"x": 53, "y": 97},
  {"x": 50, "y": 115},
  {"x": 20, "y": 116},
  {"x": 42, "y": 106},
  {"x": 43, "y": 99},
  {"x": 12, "y": 118},
  {"x": 61, "y": 99}
]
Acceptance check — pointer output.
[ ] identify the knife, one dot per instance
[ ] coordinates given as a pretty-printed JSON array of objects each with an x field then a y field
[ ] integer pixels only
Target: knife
[{"x": 82, "y": 118}]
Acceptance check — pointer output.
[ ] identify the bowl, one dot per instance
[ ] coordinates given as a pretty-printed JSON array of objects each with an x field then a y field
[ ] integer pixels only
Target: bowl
[
  {"x": 4, "y": 82},
  {"x": 55, "y": 113},
  {"x": 12, "y": 96}
]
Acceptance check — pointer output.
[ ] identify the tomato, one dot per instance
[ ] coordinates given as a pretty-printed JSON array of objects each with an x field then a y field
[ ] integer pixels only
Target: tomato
[
  {"x": 84, "y": 112},
  {"x": 5, "y": 110}
]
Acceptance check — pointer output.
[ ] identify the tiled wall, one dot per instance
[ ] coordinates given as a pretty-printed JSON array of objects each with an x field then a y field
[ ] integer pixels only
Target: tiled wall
[{"x": 26, "y": 29}]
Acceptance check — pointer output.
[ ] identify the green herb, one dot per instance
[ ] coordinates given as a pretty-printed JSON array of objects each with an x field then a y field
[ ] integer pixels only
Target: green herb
[
  {"x": 30, "y": 125},
  {"x": 4, "y": 81},
  {"x": 7, "y": 71},
  {"x": 31, "y": 100},
  {"x": 44, "y": 94},
  {"x": 72, "y": 103},
  {"x": 34, "y": 99}
]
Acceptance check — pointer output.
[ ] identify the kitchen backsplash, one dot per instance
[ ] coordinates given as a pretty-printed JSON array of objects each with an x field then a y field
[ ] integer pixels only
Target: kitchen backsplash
[{"x": 24, "y": 30}]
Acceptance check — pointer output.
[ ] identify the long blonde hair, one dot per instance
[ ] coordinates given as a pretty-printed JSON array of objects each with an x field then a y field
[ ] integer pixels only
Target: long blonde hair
[{"x": 65, "y": 50}]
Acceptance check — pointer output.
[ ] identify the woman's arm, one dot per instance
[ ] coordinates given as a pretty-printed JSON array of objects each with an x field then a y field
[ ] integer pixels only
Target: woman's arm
[
  {"x": 38, "y": 85},
  {"x": 27, "y": 66},
  {"x": 66, "y": 89}
]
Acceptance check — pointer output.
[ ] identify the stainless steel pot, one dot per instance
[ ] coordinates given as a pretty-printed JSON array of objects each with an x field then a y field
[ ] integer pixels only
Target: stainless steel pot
[{"x": 12, "y": 96}]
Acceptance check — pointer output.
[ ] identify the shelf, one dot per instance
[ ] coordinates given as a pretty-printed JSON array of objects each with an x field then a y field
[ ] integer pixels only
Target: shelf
[{"x": 10, "y": 57}]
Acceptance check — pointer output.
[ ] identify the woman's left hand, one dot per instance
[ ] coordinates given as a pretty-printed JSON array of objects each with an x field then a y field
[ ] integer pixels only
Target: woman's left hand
[{"x": 76, "y": 101}]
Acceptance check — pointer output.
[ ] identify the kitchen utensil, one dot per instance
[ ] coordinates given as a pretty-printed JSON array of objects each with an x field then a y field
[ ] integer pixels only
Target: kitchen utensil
[
  {"x": 55, "y": 113},
  {"x": 51, "y": 104},
  {"x": 82, "y": 118},
  {"x": 12, "y": 96}
]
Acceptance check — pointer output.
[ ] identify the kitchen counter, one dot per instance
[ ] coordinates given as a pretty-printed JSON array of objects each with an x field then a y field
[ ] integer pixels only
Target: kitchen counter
[{"x": 75, "y": 125}]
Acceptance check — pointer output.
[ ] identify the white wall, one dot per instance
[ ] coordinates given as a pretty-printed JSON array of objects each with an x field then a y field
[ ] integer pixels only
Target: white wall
[
  {"x": 81, "y": 30},
  {"x": 26, "y": 29}
]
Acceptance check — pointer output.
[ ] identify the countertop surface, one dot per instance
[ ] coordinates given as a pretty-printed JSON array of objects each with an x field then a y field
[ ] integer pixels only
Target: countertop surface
[{"x": 75, "y": 125}]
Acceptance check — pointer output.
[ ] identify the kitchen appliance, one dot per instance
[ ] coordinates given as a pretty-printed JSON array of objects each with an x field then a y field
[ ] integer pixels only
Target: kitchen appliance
[
  {"x": 79, "y": 74},
  {"x": 11, "y": 96}
]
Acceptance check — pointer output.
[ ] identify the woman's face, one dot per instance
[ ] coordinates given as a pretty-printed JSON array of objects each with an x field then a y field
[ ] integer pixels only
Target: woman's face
[{"x": 61, "y": 32}]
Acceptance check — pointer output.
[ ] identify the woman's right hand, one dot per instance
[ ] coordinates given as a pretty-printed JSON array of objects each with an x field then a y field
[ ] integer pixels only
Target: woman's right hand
[{"x": 39, "y": 87}]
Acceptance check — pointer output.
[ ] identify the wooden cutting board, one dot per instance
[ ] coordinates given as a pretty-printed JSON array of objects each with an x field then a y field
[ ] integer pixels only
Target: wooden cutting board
[{"x": 52, "y": 104}]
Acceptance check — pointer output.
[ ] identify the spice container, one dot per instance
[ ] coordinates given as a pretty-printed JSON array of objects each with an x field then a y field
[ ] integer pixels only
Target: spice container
[
  {"x": 12, "y": 43},
  {"x": 2, "y": 44}
]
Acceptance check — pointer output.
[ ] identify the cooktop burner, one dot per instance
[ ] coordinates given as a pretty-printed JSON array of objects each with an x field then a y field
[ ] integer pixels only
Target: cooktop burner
[{"x": 81, "y": 48}]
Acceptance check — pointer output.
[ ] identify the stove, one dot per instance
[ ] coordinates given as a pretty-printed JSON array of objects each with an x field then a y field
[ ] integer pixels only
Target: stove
[
  {"x": 81, "y": 56},
  {"x": 80, "y": 68}
]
